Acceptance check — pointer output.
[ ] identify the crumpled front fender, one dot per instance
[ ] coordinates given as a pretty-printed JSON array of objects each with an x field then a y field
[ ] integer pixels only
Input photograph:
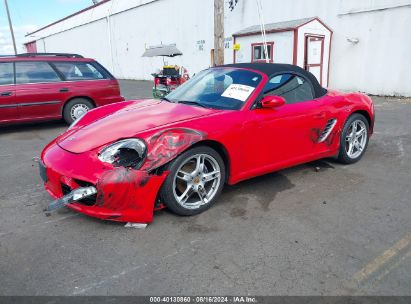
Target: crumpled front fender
[
  {"x": 135, "y": 191},
  {"x": 167, "y": 144},
  {"x": 123, "y": 194}
]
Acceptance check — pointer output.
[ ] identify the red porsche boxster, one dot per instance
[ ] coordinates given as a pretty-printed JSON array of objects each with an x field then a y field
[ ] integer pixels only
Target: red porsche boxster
[{"x": 227, "y": 124}]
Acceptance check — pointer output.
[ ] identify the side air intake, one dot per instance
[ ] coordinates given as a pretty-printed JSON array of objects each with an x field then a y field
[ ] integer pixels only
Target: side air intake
[{"x": 327, "y": 130}]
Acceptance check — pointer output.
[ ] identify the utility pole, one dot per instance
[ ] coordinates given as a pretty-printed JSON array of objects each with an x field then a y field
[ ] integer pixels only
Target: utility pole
[
  {"x": 11, "y": 27},
  {"x": 218, "y": 32}
]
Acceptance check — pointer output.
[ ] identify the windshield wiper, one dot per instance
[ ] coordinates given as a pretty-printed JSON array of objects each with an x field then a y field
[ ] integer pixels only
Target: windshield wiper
[
  {"x": 194, "y": 103},
  {"x": 166, "y": 99}
]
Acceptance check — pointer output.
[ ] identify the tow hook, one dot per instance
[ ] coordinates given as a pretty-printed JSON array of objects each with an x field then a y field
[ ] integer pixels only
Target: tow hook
[{"x": 73, "y": 196}]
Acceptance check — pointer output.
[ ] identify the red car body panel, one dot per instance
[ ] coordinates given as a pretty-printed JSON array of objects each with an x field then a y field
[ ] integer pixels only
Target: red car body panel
[
  {"x": 31, "y": 102},
  {"x": 245, "y": 137}
]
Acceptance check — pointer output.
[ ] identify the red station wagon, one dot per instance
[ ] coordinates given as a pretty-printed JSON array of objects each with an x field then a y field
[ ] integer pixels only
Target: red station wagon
[{"x": 44, "y": 86}]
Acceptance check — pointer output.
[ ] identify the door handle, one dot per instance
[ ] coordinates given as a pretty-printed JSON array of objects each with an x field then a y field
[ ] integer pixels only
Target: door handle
[
  {"x": 6, "y": 93},
  {"x": 62, "y": 90}
]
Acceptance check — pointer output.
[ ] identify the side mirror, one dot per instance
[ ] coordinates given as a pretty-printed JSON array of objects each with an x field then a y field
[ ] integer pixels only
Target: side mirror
[{"x": 269, "y": 102}]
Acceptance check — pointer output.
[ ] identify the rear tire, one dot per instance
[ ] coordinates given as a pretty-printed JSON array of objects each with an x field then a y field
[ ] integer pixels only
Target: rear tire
[
  {"x": 195, "y": 181},
  {"x": 76, "y": 108},
  {"x": 354, "y": 139}
]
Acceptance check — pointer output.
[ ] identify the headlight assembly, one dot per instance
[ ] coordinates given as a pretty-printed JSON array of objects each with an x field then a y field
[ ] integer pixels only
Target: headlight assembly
[{"x": 128, "y": 153}]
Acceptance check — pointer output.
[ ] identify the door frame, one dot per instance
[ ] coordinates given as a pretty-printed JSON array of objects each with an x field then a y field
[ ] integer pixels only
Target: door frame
[{"x": 307, "y": 36}]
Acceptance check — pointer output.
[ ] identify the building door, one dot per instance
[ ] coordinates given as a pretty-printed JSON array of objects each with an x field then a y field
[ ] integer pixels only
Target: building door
[{"x": 314, "y": 56}]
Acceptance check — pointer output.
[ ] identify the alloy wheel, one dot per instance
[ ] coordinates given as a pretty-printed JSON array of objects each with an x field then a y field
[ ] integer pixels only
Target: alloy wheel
[
  {"x": 197, "y": 181},
  {"x": 356, "y": 139}
]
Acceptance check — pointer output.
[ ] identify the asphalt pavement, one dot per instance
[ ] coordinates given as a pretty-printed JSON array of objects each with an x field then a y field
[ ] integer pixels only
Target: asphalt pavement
[{"x": 317, "y": 229}]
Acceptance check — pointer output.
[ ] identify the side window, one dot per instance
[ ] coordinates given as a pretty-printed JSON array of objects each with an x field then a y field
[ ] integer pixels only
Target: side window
[
  {"x": 34, "y": 72},
  {"x": 292, "y": 87},
  {"x": 6, "y": 73},
  {"x": 78, "y": 70}
]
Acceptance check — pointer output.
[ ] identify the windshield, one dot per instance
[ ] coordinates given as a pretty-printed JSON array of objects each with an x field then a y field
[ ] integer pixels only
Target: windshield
[{"x": 217, "y": 88}]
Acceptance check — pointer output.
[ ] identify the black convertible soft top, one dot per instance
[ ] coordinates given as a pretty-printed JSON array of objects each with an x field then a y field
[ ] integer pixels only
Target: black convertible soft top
[{"x": 271, "y": 69}]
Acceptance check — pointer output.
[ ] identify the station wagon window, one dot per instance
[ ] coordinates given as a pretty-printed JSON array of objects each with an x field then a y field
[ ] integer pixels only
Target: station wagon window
[
  {"x": 291, "y": 87},
  {"x": 6, "y": 73},
  {"x": 258, "y": 53},
  {"x": 78, "y": 71},
  {"x": 35, "y": 72}
]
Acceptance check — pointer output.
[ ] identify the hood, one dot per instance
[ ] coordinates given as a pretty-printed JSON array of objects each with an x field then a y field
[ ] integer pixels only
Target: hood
[{"x": 127, "y": 121}]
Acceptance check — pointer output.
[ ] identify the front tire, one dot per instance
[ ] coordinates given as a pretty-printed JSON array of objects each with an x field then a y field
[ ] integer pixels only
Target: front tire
[
  {"x": 76, "y": 108},
  {"x": 195, "y": 181},
  {"x": 354, "y": 139}
]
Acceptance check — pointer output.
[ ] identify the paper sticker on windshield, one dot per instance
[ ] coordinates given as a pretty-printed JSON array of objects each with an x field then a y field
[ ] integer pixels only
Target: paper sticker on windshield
[{"x": 238, "y": 91}]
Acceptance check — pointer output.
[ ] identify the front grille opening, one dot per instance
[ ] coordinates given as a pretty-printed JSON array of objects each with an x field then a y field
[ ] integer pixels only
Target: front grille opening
[
  {"x": 83, "y": 183},
  {"x": 66, "y": 189},
  {"x": 88, "y": 201}
]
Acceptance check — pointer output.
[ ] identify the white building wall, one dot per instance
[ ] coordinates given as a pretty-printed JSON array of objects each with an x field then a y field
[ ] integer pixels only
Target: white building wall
[
  {"x": 283, "y": 47},
  {"x": 378, "y": 64},
  {"x": 160, "y": 22},
  {"x": 89, "y": 40},
  {"x": 118, "y": 41}
]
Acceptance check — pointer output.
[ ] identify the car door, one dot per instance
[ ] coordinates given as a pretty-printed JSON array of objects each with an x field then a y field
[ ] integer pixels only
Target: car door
[
  {"x": 87, "y": 78},
  {"x": 287, "y": 135},
  {"x": 38, "y": 90},
  {"x": 8, "y": 108}
]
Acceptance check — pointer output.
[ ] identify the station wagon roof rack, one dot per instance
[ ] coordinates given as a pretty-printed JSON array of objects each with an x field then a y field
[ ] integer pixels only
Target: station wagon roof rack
[{"x": 50, "y": 54}]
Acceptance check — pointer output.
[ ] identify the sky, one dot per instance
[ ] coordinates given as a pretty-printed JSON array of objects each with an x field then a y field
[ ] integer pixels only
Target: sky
[{"x": 29, "y": 15}]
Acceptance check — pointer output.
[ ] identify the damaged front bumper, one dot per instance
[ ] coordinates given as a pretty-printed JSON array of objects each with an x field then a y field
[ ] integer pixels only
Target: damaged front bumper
[
  {"x": 74, "y": 196},
  {"x": 82, "y": 183}
]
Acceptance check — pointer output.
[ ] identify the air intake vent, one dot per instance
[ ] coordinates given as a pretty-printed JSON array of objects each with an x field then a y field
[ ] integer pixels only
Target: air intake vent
[{"x": 327, "y": 130}]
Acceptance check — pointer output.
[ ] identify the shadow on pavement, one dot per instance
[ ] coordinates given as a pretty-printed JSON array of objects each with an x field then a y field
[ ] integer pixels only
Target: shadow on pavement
[{"x": 35, "y": 126}]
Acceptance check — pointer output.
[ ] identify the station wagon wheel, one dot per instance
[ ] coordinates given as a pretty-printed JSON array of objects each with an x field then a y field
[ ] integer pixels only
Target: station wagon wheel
[
  {"x": 354, "y": 139},
  {"x": 76, "y": 108},
  {"x": 196, "y": 179}
]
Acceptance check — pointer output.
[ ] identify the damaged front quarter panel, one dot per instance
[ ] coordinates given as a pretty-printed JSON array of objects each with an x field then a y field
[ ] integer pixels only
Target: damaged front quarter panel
[
  {"x": 129, "y": 195},
  {"x": 132, "y": 193},
  {"x": 167, "y": 144}
]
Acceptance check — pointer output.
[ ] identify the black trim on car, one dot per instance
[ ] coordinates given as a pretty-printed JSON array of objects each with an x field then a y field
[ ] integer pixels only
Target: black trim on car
[
  {"x": 40, "y": 103},
  {"x": 99, "y": 66},
  {"x": 60, "y": 74},
  {"x": 28, "y": 104}
]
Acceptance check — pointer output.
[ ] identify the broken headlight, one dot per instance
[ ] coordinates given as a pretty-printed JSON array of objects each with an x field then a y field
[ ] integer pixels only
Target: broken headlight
[{"x": 128, "y": 153}]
